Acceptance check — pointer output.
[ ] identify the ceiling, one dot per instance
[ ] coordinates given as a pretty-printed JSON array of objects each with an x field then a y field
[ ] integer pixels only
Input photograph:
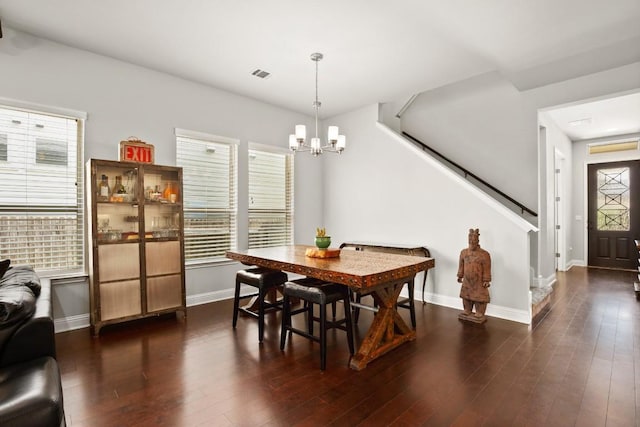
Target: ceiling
[
  {"x": 374, "y": 50},
  {"x": 598, "y": 119}
]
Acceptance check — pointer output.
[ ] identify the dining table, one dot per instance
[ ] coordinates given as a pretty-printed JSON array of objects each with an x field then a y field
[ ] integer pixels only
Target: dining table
[{"x": 380, "y": 274}]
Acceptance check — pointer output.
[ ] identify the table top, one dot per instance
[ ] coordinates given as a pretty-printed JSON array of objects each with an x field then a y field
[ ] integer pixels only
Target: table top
[{"x": 359, "y": 269}]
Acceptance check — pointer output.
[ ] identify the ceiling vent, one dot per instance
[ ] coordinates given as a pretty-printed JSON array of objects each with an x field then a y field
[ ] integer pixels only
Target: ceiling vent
[
  {"x": 261, "y": 73},
  {"x": 580, "y": 122}
]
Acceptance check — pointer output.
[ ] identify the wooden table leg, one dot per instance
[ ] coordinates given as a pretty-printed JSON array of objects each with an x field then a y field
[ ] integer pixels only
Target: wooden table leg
[
  {"x": 252, "y": 305},
  {"x": 388, "y": 329},
  {"x": 271, "y": 297}
]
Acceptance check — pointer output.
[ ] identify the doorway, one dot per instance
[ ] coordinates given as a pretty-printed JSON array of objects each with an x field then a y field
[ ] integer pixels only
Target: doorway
[
  {"x": 613, "y": 209},
  {"x": 558, "y": 212}
]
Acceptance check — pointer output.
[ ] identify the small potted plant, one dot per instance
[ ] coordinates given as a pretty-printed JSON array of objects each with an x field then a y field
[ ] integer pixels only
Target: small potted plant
[{"x": 322, "y": 240}]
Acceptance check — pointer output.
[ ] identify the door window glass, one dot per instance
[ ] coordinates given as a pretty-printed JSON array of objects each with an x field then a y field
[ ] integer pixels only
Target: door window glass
[{"x": 613, "y": 199}]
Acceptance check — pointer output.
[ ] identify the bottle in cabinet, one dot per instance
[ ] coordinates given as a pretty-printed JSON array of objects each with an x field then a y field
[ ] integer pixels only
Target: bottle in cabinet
[
  {"x": 119, "y": 188},
  {"x": 170, "y": 192},
  {"x": 119, "y": 192},
  {"x": 103, "y": 189}
]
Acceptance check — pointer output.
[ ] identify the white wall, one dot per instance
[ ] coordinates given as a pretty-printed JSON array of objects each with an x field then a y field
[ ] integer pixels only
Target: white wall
[
  {"x": 383, "y": 189},
  {"x": 482, "y": 125},
  {"x": 488, "y": 126},
  {"x": 124, "y": 100}
]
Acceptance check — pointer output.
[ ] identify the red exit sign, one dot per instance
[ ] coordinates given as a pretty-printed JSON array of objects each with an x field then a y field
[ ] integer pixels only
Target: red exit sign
[{"x": 136, "y": 151}]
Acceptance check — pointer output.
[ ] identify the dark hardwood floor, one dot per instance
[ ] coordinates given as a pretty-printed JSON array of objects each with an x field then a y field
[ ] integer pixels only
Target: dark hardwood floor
[{"x": 579, "y": 365}]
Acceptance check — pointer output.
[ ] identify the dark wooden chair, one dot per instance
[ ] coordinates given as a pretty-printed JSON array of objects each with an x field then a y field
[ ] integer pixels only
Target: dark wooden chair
[
  {"x": 321, "y": 295},
  {"x": 265, "y": 280},
  {"x": 312, "y": 281}
]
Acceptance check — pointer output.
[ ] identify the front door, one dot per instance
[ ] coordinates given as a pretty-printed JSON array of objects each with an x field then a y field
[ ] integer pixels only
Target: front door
[{"x": 614, "y": 214}]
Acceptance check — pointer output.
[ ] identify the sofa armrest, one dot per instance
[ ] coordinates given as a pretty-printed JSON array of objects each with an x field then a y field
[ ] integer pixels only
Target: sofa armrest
[
  {"x": 31, "y": 394},
  {"x": 35, "y": 337}
]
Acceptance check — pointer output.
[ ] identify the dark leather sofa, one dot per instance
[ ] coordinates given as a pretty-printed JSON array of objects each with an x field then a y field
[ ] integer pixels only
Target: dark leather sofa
[{"x": 30, "y": 386}]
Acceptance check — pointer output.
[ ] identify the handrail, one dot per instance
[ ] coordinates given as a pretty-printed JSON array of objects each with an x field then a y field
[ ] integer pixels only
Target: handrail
[{"x": 522, "y": 207}]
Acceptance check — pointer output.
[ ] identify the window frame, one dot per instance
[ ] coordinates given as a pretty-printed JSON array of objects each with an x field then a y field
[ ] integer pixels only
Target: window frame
[
  {"x": 288, "y": 236},
  {"x": 45, "y": 220},
  {"x": 190, "y": 213}
]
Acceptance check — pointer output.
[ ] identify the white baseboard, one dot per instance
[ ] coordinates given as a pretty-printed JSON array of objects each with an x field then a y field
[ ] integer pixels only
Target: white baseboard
[
  {"x": 71, "y": 323},
  {"x": 208, "y": 297},
  {"x": 576, "y": 263},
  {"x": 520, "y": 316},
  {"x": 80, "y": 321}
]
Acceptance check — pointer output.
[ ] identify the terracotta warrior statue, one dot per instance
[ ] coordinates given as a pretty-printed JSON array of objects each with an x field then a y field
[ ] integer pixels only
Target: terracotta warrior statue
[{"x": 474, "y": 272}]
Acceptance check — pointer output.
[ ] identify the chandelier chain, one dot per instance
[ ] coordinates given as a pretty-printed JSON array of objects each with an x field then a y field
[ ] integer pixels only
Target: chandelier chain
[{"x": 317, "y": 103}]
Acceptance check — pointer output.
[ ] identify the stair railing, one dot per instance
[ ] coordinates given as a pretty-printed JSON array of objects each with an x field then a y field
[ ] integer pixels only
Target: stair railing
[{"x": 467, "y": 174}]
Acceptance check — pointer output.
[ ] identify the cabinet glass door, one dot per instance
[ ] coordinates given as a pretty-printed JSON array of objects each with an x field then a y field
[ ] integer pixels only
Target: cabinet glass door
[
  {"x": 162, "y": 213},
  {"x": 116, "y": 202}
]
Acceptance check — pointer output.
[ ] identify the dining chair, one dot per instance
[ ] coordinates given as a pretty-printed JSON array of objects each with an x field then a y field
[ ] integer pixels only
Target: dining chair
[
  {"x": 264, "y": 280},
  {"x": 320, "y": 295}
]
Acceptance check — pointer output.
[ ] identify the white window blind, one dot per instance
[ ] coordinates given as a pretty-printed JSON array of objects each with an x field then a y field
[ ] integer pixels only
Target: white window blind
[
  {"x": 209, "y": 189},
  {"x": 41, "y": 202},
  {"x": 270, "y": 197}
]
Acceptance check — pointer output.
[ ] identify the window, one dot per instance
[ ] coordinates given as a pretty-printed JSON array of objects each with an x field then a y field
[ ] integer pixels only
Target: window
[
  {"x": 270, "y": 197},
  {"x": 613, "y": 199},
  {"x": 3, "y": 148},
  {"x": 51, "y": 152},
  {"x": 209, "y": 194},
  {"x": 41, "y": 202},
  {"x": 613, "y": 147}
]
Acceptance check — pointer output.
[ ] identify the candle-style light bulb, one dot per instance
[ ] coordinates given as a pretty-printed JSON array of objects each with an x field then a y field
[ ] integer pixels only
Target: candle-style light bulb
[
  {"x": 332, "y": 134},
  {"x": 301, "y": 132},
  {"x": 293, "y": 142}
]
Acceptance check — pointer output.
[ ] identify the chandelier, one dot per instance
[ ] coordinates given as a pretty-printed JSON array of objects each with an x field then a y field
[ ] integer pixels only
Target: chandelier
[{"x": 335, "y": 143}]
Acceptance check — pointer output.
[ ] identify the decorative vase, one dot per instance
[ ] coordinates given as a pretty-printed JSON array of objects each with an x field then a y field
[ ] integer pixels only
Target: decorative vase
[{"x": 323, "y": 242}]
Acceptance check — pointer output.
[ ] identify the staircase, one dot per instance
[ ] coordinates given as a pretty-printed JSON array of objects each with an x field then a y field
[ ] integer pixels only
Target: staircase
[
  {"x": 540, "y": 296},
  {"x": 540, "y": 300},
  {"x": 499, "y": 195}
]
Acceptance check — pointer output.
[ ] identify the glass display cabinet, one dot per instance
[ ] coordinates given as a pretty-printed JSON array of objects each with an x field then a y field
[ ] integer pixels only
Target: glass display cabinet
[{"x": 135, "y": 229}]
